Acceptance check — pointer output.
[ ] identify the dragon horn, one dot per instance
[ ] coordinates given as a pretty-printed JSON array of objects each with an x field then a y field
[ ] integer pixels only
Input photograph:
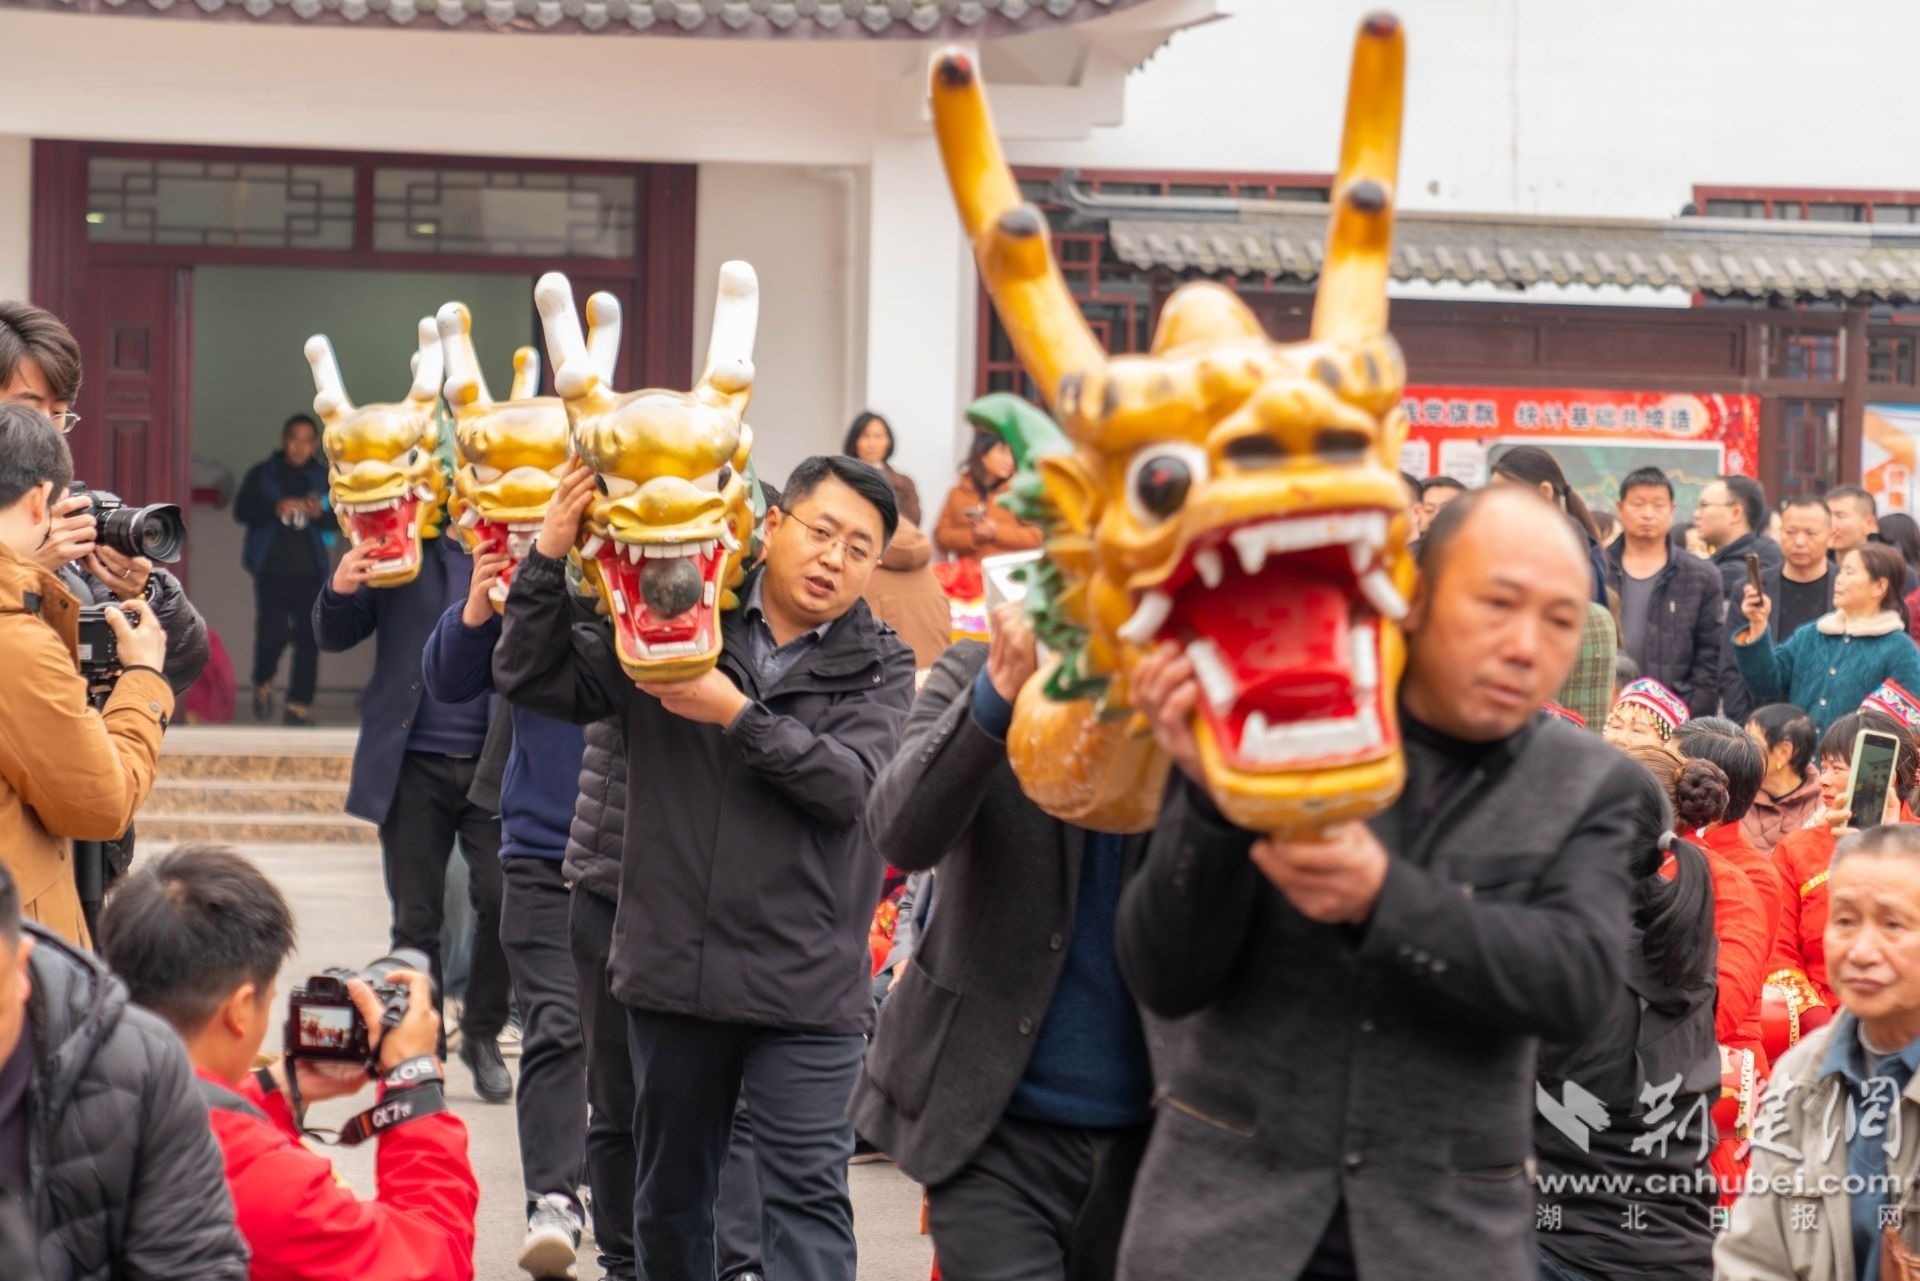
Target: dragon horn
[
  {"x": 1026, "y": 428},
  {"x": 603, "y": 335},
  {"x": 466, "y": 385},
  {"x": 526, "y": 373},
  {"x": 573, "y": 373},
  {"x": 1351, "y": 303},
  {"x": 330, "y": 399},
  {"x": 1009, "y": 236},
  {"x": 736, "y": 319},
  {"x": 428, "y": 364}
]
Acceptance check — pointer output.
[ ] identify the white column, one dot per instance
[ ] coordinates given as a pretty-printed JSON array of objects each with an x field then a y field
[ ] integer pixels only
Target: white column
[
  {"x": 16, "y": 207},
  {"x": 921, "y": 294}
]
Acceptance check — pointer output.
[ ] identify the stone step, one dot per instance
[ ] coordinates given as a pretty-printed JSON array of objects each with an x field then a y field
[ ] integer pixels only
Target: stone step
[
  {"x": 177, "y": 797},
  {"x": 223, "y": 752},
  {"x": 258, "y": 829}
]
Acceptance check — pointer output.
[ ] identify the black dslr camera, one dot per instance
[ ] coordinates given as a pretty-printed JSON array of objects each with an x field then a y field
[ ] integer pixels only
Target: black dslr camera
[
  {"x": 98, "y": 652},
  {"x": 157, "y": 532},
  {"x": 323, "y": 1023}
]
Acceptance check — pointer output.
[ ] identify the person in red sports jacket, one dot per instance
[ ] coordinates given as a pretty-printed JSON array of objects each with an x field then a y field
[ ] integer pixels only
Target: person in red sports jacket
[{"x": 199, "y": 935}]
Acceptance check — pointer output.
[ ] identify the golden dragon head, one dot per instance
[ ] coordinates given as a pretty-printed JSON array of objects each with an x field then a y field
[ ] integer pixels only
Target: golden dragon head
[
  {"x": 509, "y": 454},
  {"x": 665, "y": 540},
  {"x": 1238, "y": 497},
  {"x": 383, "y": 464}
]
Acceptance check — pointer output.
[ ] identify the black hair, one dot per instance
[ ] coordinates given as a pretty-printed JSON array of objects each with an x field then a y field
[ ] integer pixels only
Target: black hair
[
  {"x": 1837, "y": 744},
  {"x": 32, "y": 452},
  {"x": 1410, "y": 483},
  {"x": 1856, "y": 493},
  {"x": 850, "y": 447},
  {"x": 1719, "y": 740},
  {"x": 863, "y": 479},
  {"x": 189, "y": 927},
  {"x": 1784, "y": 723},
  {"x": 9, "y": 908},
  {"x": 1648, "y": 477},
  {"x": 1432, "y": 483},
  {"x": 293, "y": 420},
  {"x": 1675, "y": 915},
  {"x": 1883, "y": 563},
  {"x": 1902, "y": 533},
  {"x": 1625, "y": 670},
  {"x": 1746, "y": 491},
  {"x": 975, "y": 466},
  {"x": 1534, "y": 466},
  {"x": 1813, "y": 502},
  {"x": 33, "y": 333},
  {"x": 1430, "y": 553}
]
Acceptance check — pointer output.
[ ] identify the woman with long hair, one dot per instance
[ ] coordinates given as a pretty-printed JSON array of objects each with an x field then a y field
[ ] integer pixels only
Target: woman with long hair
[
  {"x": 1832, "y": 663},
  {"x": 1902, "y": 533},
  {"x": 1656, "y": 1033},
  {"x": 1535, "y": 467},
  {"x": 1790, "y": 792},
  {"x": 870, "y": 439},
  {"x": 974, "y": 522}
]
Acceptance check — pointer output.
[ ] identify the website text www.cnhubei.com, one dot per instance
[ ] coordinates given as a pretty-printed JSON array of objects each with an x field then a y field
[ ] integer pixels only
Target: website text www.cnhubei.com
[{"x": 1704, "y": 1183}]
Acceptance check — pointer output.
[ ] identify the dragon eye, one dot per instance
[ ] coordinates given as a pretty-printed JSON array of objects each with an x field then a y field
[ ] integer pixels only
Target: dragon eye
[
  {"x": 411, "y": 457},
  {"x": 485, "y": 475},
  {"x": 715, "y": 481},
  {"x": 616, "y": 486},
  {"x": 1159, "y": 480}
]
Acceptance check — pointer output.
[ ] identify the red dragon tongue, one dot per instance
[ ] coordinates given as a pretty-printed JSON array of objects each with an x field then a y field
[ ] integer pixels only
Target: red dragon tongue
[
  {"x": 683, "y": 588},
  {"x": 389, "y": 530}
]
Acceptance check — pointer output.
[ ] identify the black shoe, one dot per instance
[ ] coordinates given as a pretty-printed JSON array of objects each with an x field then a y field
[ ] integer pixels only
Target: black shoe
[
  {"x": 491, "y": 1080},
  {"x": 262, "y": 703},
  {"x": 296, "y": 716}
]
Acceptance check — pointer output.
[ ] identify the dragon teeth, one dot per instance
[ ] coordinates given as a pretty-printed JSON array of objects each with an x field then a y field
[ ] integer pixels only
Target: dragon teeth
[
  {"x": 1366, "y": 661},
  {"x": 593, "y": 546},
  {"x": 469, "y": 518},
  {"x": 1216, "y": 682},
  {"x": 727, "y": 537},
  {"x": 1148, "y": 617},
  {"x": 708, "y": 596},
  {"x": 1210, "y": 567},
  {"x": 1383, "y": 595}
]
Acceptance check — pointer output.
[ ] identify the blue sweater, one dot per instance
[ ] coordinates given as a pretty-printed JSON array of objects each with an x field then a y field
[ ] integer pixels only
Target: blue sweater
[
  {"x": 1825, "y": 672},
  {"x": 542, "y": 778},
  {"x": 1089, "y": 1065}
]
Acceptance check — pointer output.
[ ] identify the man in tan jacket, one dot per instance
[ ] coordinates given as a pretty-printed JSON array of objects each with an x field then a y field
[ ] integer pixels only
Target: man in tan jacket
[{"x": 67, "y": 772}]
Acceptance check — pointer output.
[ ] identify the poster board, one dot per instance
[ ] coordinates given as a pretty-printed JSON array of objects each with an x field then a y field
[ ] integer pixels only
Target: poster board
[
  {"x": 1597, "y": 436},
  {"x": 1889, "y": 450}
]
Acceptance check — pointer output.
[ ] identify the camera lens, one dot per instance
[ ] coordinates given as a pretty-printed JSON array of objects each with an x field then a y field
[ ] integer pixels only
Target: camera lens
[{"x": 157, "y": 532}]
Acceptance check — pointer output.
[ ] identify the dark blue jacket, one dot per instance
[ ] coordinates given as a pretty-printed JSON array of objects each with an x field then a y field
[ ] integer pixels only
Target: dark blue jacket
[
  {"x": 255, "y": 506},
  {"x": 542, "y": 778},
  {"x": 399, "y": 619}
]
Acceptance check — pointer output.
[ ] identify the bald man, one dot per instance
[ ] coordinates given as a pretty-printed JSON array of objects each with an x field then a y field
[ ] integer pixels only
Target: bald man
[{"x": 1358, "y": 1067}]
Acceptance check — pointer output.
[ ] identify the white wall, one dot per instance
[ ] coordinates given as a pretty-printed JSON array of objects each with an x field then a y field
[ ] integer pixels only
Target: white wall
[
  {"x": 16, "y": 206},
  {"x": 791, "y": 223},
  {"x": 1562, "y": 106}
]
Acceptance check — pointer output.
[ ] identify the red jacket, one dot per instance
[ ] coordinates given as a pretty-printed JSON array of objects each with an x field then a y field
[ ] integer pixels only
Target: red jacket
[
  {"x": 1740, "y": 928},
  {"x": 1802, "y": 858},
  {"x": 304, "y": 1224}
]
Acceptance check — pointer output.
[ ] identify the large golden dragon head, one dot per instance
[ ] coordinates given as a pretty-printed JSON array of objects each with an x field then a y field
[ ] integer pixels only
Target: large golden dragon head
[
  {"x": 1238, "y": 497},
  {"x": 383, "y": 464},
  {"x": 509, "y": 453},
  {"x": 664, "y": 543}
]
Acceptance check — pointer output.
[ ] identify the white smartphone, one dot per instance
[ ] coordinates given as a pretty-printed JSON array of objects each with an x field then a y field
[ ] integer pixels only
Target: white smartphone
[{"x": 1874, "y": 756}]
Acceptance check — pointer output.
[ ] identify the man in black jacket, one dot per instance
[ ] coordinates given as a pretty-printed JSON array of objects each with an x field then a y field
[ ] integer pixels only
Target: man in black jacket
[
  {"x": 1671, "y": 604},
  {"x": 1731, "y": 515},
  {"x": 1009, "y": 1072},
  {"x": 102, "y": 1134},
  {"x": 1353, "y": 1096},
  {"x": 739, "y": 946},
  {"x": 1801, "y": 590}
]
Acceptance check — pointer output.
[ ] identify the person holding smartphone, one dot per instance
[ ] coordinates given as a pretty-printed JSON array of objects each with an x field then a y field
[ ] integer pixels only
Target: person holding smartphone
[{"x": 1830, "y": 665}]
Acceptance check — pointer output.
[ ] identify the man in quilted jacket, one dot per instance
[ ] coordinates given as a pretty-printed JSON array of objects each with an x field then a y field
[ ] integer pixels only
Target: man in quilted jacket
[{"x": 102, "y": 1136}]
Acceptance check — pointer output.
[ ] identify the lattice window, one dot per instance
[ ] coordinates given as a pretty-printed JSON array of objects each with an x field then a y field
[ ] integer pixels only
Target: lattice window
[
  {"x": 1804, "y": 355},
  {"x": 1794, "y": 204},
  {"x": 215, "y": 203},
  {"x": 1890, "y": 360},
  {"x": 1810, "y": 441},
  {"x": 1116, "y": 297},
  {"x": 503, "y": 213}
]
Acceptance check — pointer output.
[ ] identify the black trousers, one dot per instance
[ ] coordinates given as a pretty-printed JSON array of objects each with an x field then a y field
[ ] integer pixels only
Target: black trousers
[
  {"x": 610, "y": 1148},
  {"x": 430, "y": 809},
  {"x": 283, "y": 612},
  {"x": 550, "y": 1101},
  {"x": 1037, "y": 1202},
  {"x": 689, "y": 1076}
]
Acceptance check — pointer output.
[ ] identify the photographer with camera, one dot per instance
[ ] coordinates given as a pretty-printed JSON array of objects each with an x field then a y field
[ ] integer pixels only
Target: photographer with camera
[
  {"x": 67, "y": 771},
  {"x": 40, "y": 368},
  {"x": 199, "y": 934}
]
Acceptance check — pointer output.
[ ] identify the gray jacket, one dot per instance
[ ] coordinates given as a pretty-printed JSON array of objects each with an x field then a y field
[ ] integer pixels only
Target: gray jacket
[
  {"x": 1388, "y": 1067},
  {"x": 958, "y": 1027}
]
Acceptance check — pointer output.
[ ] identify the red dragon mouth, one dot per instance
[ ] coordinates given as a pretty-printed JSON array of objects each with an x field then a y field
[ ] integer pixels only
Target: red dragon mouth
[
  {"x": 515, "y": 538},
  {"x": 665, "y": 597},
  {"x": 391, "y": 526},
  {"x": 1281, "y": 619}
]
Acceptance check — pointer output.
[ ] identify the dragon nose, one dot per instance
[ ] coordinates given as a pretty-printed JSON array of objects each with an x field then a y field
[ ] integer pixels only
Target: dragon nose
[{"x": 670, "y": 500}]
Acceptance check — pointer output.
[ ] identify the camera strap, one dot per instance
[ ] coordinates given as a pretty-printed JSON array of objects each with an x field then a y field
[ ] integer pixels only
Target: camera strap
[{"x": 393, "y": 1111}]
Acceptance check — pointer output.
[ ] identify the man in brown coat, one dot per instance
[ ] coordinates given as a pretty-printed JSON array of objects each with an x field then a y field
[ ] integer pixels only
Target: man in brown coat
[
  {"x": 905, "y": 595},
  {"x": 66, "y": 770}
]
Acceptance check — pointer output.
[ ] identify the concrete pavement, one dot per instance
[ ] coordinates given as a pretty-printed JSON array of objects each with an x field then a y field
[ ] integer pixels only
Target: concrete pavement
[{"x": 338, "y": 897}]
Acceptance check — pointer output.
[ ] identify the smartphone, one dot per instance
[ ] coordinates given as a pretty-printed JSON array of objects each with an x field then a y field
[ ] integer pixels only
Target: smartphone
[
  {"x": 1874, "y": 756},
  {"x": 1753, "y": 573}
]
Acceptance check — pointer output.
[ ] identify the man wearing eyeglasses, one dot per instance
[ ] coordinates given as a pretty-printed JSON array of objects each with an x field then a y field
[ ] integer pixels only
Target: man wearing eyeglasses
[
  {"x": 747, "y": 878},
  {"x": 40, "y": 367}
]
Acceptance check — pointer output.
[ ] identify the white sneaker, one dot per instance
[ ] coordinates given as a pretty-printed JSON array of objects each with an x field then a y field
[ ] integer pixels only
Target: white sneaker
[
  {"x": 553, "y": 1239},
  {"x": 509, "y": 1040}
]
